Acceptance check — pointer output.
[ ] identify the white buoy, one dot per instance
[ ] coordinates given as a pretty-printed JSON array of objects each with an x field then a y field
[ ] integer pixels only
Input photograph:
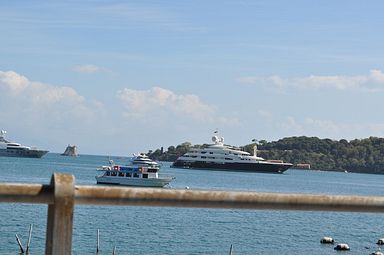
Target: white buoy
[
  {"x": 342, "y": 247},
  {"x": 186, "y": 187},
  {"x": 327, "y": 239},
  {"x": 380, "y": 241}
]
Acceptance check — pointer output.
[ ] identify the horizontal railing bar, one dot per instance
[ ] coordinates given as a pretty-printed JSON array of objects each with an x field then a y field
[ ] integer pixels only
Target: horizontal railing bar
[
  {"x": 26, "y": 193},
  {"x": 97, "y": 195},
  {"x": 105, "y": 195}
]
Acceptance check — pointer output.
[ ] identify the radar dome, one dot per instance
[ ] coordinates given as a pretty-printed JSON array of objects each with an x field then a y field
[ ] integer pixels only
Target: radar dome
[{"x": 215, "y": 138}]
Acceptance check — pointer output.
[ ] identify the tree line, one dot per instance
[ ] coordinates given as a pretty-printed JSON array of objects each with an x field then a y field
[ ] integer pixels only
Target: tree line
[{"x": 358, "y": 155}]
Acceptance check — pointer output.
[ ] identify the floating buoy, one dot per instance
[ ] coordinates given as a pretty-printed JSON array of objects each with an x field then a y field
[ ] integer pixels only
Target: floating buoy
[
  {"x": 380, "y": 241},
  {"x": 342, "y": 247},
  {"x": 377, "y": 253},
  {"x": 186, "y": 187},
  {"x": 327, "y": 239}
]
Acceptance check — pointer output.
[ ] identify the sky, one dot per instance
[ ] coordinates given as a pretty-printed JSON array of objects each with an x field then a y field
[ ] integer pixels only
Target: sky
[{"x": 121, "y": 77}]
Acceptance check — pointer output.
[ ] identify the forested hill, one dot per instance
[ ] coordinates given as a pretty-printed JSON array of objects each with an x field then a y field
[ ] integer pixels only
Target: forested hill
[{"x": 359, "y": 155}]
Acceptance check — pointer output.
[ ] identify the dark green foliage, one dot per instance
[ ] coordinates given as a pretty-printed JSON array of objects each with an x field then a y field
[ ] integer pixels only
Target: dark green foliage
[{"x": 358, "y": 155}]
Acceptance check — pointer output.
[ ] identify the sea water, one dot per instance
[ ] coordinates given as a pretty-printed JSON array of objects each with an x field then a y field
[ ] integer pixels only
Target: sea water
[{"x": 163, "y": 230}]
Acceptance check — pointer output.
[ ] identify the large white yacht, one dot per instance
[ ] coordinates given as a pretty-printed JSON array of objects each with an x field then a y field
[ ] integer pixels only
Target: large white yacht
[
  {"x": 11, "y": 149},
  {"x": 219, "y": 156},
  {"x": 141, "y": 159}
]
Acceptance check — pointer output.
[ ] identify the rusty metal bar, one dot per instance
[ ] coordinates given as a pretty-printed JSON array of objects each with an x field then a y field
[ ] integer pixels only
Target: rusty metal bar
[
  {"x": 105, "y": 195},
  {"x": 60, "y": 216},
  {"x": 26, "y": 193}
]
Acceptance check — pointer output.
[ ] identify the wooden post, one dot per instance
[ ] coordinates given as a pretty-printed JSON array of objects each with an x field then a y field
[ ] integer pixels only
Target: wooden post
[
  {"x": 60, "y": 216},
  {"x": 29, "y": 238},
  {"x": 19, "y": 243},
  {"x": 98, "y": 242}
]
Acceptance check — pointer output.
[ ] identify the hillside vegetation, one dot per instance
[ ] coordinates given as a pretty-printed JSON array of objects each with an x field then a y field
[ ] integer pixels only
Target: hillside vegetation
[{"x": 359, "y": 155}]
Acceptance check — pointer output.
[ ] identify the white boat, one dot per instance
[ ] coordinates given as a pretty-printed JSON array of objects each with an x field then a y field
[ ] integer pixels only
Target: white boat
[
  {"x": 11, "y": 149},
  {"x": 219, "y": 156},
  {"x": 131, "y": 175},
  {"x": 141, "y": 159}
]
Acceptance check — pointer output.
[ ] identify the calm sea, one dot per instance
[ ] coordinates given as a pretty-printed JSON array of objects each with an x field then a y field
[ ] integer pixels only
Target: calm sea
[{"x": 153, "y": 230}]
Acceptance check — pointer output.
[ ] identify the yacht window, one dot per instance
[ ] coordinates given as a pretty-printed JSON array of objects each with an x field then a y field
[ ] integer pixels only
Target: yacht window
[
  {"x": 113, "y": 173},
  {"x": 128, "y": 174},
  {"x": 108, "y": 173},
  {"x": 228, "y": 159},
  {"x": 211, "y": 157},
  {"x": 135, "y": 175},
  {"x": 203, "y": 152},
  {"x": 121, "y": 174},
  {"x": 145, "y": 175},
  {"x": 203, "y": 157},
  {"x": 194, "y": 156},
  {"x": 210, "y": 152}
]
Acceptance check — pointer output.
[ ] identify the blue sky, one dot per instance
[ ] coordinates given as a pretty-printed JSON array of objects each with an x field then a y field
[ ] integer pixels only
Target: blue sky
[{"x": 119, "y": 77}]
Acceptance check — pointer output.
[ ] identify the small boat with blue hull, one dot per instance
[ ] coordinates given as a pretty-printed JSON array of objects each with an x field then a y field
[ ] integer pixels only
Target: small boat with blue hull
[{"x": 131, "y": 175}]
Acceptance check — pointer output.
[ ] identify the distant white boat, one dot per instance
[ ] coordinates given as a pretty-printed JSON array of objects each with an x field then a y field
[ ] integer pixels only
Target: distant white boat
[
  {"x": 131, "y": 175},
  {"x": 141, "y": 159},
  {"x": 11, "y": 149}
]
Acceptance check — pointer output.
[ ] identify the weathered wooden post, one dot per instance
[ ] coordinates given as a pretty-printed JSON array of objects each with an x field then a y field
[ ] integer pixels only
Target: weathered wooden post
[
  {"x": 98, "y": 242},
  {"x": 19, "y": 243},
  {"x": 60, "y": 215},
  {"x": 29, "y": 238}
]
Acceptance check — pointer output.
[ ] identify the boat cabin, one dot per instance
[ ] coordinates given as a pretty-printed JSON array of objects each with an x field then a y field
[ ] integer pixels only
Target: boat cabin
[{"x": 131, "y": 172}]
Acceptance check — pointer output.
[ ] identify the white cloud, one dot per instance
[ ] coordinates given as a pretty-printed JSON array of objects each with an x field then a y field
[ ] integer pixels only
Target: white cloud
[
  {"x": 330, "y": 128},
  {"x": 13, "y": 82},
  {"x": 38, "y": 93},
  {"x": 89, "y": 69},
  {"x": 373, "y": 81},
  {"x": 165, "y": 105},
  {"x": 325, "y": 128},
  {"x": 37, "y": 103},
  {"x": 52, "y": 95},
  {"x": 142, "y": 102}
]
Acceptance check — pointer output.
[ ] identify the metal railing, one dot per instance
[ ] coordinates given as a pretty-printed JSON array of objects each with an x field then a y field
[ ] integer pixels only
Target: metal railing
[{"x": 62, "y": 194}]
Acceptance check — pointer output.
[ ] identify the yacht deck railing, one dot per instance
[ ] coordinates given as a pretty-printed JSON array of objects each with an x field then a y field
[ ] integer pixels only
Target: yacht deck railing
[{"x": 62, "y": 194}]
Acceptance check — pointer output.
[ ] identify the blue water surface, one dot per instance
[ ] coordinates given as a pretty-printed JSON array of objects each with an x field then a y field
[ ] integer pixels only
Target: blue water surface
[{"x": 154, "y": 230}]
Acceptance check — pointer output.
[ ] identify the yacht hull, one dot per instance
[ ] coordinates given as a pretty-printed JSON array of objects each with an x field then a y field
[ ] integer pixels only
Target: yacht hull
[
  {"x": 260, "y": 167},
  {"x": 24, "y": 153},
  {"x": 137, "y": 182}
]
